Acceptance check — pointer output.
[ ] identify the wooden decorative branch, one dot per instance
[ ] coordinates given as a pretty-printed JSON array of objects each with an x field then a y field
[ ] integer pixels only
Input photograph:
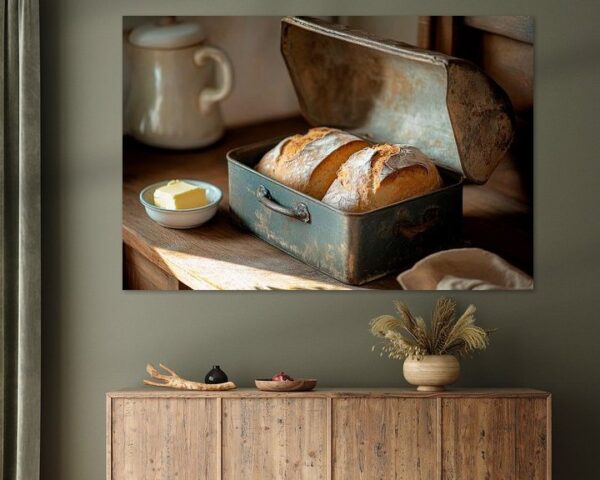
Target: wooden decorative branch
[{"x": 175, "y": 381}]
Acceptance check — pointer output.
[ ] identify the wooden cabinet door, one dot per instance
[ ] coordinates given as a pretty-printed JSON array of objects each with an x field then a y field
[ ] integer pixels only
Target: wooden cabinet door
[
  {"x": 499, "y": 439},
  {"x": 533, "y": 439},
  {"x": 274, "y": 439},
  {"x": 481, "y": 435},
  {"x": 163, "y": 439},
  {"x": 384, "y": 438},
  {"x": 478, "y": 438}
]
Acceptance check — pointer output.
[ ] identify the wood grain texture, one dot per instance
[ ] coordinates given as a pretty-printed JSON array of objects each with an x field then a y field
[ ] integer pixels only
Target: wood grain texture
[
  {"x": 515, "y": 27},
  {"x": 329, "y": 434},
  {"x": 274, "y": 439},
  {"x": 219, "y": 256},
  {"x": 161, "y": 439},
  {"x": 425, "y": 32},
  {"x": 384, "y": 439},
  {"x": 219, "y": 439},
  {"x": 533, "y": 438},
  {"x": 437, "y": 33},
  {"x": 329, "y": 438},
  {"x": 472, "y": 393},
  {"x": 549, "y": 438},
  {"x": 110, "y": 415},
  {"x": 510, "y": 63},
  {"x": 479, "y": 439},
  {"x": 139, "y": 273}
]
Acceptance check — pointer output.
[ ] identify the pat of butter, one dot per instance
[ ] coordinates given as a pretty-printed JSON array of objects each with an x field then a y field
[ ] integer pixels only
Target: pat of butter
[{"x": 178, "y": 195}]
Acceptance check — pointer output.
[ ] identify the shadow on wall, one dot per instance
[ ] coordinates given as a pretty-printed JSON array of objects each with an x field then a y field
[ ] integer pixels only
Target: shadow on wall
[{"x": 263, "y": 89}]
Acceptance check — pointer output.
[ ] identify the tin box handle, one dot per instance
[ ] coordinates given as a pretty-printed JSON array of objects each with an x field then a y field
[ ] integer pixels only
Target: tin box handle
[{"x": 299, "y": 212}]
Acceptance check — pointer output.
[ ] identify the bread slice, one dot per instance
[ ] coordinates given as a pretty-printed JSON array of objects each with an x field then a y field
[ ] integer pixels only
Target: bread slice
[
  {"x": 309, "y": 163},
  {"x": 380, "y": 175}
]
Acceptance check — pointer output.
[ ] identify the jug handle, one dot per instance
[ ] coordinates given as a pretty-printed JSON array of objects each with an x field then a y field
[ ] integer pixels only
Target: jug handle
[{"x": 210, "y": 95}]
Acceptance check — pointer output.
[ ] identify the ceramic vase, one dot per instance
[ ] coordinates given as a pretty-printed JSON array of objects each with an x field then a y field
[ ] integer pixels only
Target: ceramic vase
[
  {"x": 431, "y": 373},
  {"x": 216, "y": 375}
]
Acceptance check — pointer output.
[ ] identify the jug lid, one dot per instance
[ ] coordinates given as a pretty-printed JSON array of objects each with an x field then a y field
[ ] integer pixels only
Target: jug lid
[{"x": 167, "y": 33}]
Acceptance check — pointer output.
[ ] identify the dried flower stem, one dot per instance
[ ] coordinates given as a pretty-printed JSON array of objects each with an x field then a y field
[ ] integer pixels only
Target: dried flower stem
[{"x": 407, "y": 335}]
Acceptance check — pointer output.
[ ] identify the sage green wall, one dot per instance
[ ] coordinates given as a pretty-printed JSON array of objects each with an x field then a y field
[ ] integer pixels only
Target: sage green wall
[{"x": 98, "y": 338}]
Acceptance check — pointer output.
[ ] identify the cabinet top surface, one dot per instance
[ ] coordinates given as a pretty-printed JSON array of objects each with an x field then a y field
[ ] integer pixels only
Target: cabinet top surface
[{"x": 332, "y": 393}]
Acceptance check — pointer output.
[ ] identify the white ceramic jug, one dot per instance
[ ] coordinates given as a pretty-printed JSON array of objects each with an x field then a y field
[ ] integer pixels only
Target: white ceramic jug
[{"x": 174, "y": 85}]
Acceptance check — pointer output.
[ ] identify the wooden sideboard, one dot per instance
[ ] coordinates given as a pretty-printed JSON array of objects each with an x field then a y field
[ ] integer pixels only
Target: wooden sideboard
[{"x": 496, "y": 434}]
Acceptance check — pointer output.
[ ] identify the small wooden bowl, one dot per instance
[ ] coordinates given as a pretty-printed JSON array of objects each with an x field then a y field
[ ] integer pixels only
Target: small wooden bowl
[{"x": 296, "y": 385}]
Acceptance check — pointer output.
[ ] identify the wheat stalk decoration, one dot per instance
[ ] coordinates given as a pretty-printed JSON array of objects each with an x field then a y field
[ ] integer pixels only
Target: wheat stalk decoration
[{"x": 408, "y": 336}]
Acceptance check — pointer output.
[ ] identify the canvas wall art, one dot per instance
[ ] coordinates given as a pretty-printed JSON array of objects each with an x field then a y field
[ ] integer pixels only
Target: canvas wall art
[{"x": 330, "y": 153}]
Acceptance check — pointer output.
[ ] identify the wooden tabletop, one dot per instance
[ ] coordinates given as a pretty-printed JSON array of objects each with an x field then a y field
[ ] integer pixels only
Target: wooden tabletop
[
  {"x": 156, "y": 392},
  {"x": 220, "y": 256}
]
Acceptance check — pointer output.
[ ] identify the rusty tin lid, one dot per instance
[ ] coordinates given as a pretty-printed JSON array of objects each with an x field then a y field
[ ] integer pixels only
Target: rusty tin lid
[{"x": 392, "y": 92}]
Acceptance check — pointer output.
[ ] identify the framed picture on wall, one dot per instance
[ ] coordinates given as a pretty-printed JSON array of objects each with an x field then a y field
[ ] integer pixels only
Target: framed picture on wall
[{"x": 330, "y": 153}]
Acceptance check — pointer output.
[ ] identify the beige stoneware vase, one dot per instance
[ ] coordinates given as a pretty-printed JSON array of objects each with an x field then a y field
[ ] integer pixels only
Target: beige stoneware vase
[{"x": 431, "y": 373}]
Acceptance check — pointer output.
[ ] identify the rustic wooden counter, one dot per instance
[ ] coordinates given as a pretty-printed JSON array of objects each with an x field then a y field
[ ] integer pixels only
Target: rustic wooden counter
[
  {"x": 349, "y": 434},
  {"x": 394, "y": 392},
  {"x": 219, "y": 256}
]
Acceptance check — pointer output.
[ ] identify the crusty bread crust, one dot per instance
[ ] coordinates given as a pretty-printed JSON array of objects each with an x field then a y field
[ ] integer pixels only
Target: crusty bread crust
[
  {"x": 380, "y": 175},
  {"x": 309, "y": 163}
]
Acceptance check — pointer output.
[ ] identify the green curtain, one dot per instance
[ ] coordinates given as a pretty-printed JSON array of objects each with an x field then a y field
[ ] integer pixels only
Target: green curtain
[{"x": 20, "y": 319}]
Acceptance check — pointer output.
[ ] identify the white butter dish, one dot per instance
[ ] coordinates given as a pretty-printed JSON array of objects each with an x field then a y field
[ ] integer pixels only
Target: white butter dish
[{"x": 185, "y": 218}]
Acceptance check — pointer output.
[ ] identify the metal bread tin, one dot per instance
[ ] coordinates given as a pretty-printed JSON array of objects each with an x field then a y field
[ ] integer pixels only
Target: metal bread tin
[{"x": 387, "y": 92}]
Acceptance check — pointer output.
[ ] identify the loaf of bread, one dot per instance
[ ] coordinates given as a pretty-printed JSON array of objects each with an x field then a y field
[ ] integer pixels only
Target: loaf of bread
[
  {"x": 381, "y": 175},
  {"x": 309, "y": 163}
]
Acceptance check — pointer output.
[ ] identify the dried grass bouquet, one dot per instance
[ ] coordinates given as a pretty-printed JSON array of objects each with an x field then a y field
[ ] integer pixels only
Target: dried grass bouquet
[{"x": 409, "y": 336}]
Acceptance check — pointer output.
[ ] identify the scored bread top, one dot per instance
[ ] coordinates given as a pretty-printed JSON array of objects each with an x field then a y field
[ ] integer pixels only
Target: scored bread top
[
  {"x": 287, "y": 148},
  {"x": 381, "y": 175},
  {"x": 309, "y": 163}
]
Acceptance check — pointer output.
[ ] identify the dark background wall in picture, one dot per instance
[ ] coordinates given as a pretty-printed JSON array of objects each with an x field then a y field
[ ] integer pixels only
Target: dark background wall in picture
[{"x": 98, "y": 338}]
